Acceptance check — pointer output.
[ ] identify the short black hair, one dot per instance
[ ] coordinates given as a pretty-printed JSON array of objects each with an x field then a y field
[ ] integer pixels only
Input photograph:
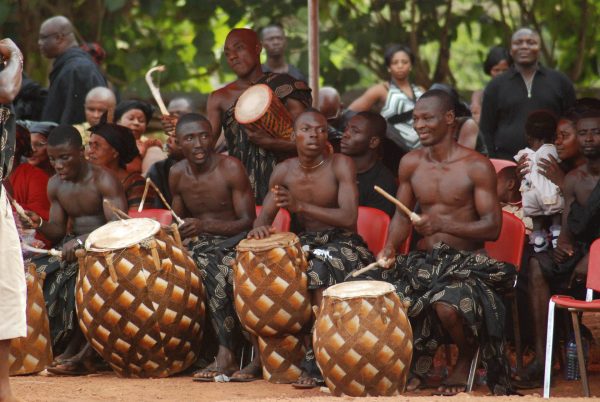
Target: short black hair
[
  {"x": 391, "y": 50},
  {"x": 508, "y": 173},
  {"x": 65, "y": 134},
  {"x": 541, "y": 125},
  {"x": 309, "y": 109},
  {"x": 271, "y": 25},
  {"x": 377, "y": 123},
  {"x": 461, "y": 109},
  {"x": 190, "y": 118},
  {"x": 495, "y": 56},
  {"x": 447, "y": 101}
]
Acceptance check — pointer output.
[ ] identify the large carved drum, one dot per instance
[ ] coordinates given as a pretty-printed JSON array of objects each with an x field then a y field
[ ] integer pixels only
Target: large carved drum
[
  {"x": 34, "y": 352},
  {"x": 363, "y": 339},
  {"x": 260, "y": 108},
  {"x": 139, "y": 298},
  {"x": 271, "y": 299}
]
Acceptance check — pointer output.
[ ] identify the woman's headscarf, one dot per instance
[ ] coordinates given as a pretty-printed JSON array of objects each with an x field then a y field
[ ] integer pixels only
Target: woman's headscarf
[
  {"x": 120, "y": 138},
  {"x": 125, "y": 106}
]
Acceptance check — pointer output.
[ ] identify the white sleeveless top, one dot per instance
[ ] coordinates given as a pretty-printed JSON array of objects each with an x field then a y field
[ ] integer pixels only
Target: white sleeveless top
[{"x": 398, "y": 102}]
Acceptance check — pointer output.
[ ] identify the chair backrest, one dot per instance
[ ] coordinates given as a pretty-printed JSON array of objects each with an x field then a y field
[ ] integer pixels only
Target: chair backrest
[
  {"x": 510, "y": 243},
  {"x": 500, "y": 164},
  {"x": 593, "y": 274},
  {"x": 372, "y": 226},
  {"x": 162, "y": 215},
  {"x": 282, "y": 220}
]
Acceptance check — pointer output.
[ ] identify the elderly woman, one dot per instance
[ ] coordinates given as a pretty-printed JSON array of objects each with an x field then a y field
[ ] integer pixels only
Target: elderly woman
[
  {"x": 113, "y": 147},
  {"x": 136, "y": 115},
  {"x": 39, "y": 131}
]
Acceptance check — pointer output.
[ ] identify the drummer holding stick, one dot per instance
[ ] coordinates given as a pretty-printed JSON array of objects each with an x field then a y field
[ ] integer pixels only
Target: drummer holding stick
[{"x": 450, "y": 285}]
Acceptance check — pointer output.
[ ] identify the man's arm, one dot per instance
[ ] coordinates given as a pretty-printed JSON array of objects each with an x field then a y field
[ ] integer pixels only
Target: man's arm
[
  {"x": 10, "y": 77},
  {"x": 112, "y": 191},
  {"x": 487, "y": 121},
  {"x": 177, "y": 203},
  {"x": 262, "y": 224},
  {"x": 214, "y": 114},
  {"x": 56, "y": 227},
  {"x": 564, "y": 247}
]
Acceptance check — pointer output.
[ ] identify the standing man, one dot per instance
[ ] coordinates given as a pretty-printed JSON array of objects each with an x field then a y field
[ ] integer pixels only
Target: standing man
[
  {"x": 510, "y": 97},
  {"x": 272, "y": 38},
  {"x": 258, "y": 150},
  {"x": 360, "y": 142},
  {"x": 73, "y": 73},
  {"x": 214, "y": 195},
  {"x": 13, "y": 291},
  {"x": 450, "y": 285}
]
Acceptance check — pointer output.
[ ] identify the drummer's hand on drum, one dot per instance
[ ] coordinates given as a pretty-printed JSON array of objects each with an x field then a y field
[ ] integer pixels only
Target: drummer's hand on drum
[
  {"x": 69, "y": 248},
  {"x": 191, "y": 227},
  {"x": 284, "y": 199},
  {"x": 261, "y": 232},
  {"x": 35, "y": 218},
  {"x": 386, "y": 257}
]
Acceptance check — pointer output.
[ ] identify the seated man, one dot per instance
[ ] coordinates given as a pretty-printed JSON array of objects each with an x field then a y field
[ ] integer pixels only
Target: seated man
[
  {"x": 565, "y": 269},
  {"x": 98, "y": 101},
  {"x": 450, "y": 285},
  {"x": 320, "y": 190},
  {"x": 330, "y": 104},
  {"x": 76, "y": 195},
  {"x": 213, "y": 192},
  {"x": 360, "y": 142}
]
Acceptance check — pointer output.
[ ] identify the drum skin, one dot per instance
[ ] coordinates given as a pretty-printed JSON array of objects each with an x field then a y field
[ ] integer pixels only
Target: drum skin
[
  {"x": 363, "y": 344},
  {"x": 144, "y": 320},
  {"x": 270, "y": 285},
  {"x": 272, "y": 117},
  {"x": 34, "y": 352}
]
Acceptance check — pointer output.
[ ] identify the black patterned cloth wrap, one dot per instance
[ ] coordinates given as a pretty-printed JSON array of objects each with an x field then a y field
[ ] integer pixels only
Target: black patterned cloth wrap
[
  {"x": 471, "y": 283},
  {"x": 259, "y": 163},
  {"x": 59, "y": 295},
  {"x": 215, "y": 256},
  {"x": 333, "y": 255}
]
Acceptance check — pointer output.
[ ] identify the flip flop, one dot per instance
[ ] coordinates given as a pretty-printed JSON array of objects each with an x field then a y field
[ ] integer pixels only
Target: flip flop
[
  {"x": 212, "y": 378},
  {"x": 450, "y": 385},
  {"x": 318, "y": 382},
  {"x": 71, "y": 368}
]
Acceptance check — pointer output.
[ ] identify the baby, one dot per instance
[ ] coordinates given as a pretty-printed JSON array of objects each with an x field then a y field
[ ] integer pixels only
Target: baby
[{"x": 542, "y": 200}]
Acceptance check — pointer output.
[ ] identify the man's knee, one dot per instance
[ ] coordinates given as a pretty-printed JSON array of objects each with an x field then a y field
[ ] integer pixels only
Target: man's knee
[{"x": 446, "y": 313}]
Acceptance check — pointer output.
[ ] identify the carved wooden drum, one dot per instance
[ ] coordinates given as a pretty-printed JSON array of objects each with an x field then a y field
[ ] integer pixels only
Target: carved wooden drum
[
  {"x": 34, "y": 352},
  {"x": 260, "y": 108},
  {"x": 139, "y": 298},
  {"x": 363, "y": 340}
]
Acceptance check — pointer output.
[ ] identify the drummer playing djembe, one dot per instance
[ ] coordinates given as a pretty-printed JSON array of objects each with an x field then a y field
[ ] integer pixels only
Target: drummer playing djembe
[
  {"x": 320, "y": 190},
  {"x": 76, "y": 194},
  {"x": 213, "y": 192},
  {"x": 451, "y": 285}
]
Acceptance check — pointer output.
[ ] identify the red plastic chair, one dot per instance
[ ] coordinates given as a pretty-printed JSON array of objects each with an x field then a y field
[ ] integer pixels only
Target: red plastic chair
[
  {"x": 509, "y": 248},
  {"x": 372, "y": 226},
  {"x": 500, "y": 164},
  {"x": 282, "y": 220},
  {"x": 162, "y": 215},
  {"x": 575, "y": 307}
]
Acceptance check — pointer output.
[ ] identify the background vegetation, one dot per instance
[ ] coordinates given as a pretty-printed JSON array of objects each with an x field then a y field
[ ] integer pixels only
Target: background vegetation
[{"x": 450, "y": 38}]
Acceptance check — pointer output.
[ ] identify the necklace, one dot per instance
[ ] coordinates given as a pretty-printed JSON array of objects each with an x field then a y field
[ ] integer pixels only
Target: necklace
[{"x": 312, "y": 167}]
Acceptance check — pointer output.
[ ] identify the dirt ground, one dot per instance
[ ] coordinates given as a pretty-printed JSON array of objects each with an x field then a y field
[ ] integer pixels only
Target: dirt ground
[{"x": 108, "y": 387}]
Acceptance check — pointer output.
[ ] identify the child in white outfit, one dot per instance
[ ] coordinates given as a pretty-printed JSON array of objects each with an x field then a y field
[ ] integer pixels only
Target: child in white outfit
[{"x": 542, "y": 199}]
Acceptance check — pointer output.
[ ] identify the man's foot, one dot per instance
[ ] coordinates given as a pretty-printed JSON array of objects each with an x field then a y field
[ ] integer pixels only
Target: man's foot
[
  {"x": 531, "y": 376},
  {"x": 413, "y": 383},
  {"x": 306, "y": 382},
  {"x": 251, "y": 372},
  {"x": 209, "y": 373},
  {"x": 451, "y": 389},
  {"x": 457, "y": 381},
  {"x": 72, "y": 367}
]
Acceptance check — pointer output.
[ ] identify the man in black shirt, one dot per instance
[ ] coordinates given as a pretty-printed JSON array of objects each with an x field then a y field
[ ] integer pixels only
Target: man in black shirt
[
  {"x": 510, "y": 97},
  {"x": 272, "y": 38},
  {"x": 361, "y": 141}
]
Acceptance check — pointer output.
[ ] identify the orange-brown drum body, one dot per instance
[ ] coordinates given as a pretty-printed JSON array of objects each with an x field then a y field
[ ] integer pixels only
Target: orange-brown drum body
[
  {"x": 271, "y": 300},
  {"x": 260, "y": 108},
  {"x": 34, "y": 352},
  {"x": 139, "y": 298},
  {"x": 363, "y": 339}
]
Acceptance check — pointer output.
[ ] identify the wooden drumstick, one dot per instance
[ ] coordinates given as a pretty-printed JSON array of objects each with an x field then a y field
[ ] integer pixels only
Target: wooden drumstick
[
  {"x": 413, "y": 216},
  {"x": 155, "y": 91},
  {"x": 369, "y": 267},
  {"x": 52, "y": 251},
  {"x": 162, "y": 198},
  {"x": 120, "y": 214},
  {"x": 22, "y": 213},
  {"x": 141, "y": 206}
]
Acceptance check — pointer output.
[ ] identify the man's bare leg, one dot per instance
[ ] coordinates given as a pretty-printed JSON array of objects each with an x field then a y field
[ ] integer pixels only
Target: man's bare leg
[
  {"x": 6, "y": 394},
  {"x": 224, "y": 364},
  {"x": 77, "y": 342},
  {"x": 316, "y": 296},
  {"x": 453, "y": 323}
]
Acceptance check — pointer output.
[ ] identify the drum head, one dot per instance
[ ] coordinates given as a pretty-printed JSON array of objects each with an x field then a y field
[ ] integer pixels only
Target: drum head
[
  {"x": 253, "y": 103},
  {"x": 282, "y": 239},
  {"x": 121, "y": 234},
  {"x": 350, "y": 290}
]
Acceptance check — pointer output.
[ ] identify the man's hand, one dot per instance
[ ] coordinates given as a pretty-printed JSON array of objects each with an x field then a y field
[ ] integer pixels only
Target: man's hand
[
  {"x": 8, "y": 48},
  {"x": 428, "y": 225},
  {"x": 35, "y": 218},
  {"x": 563, "y": 251},
  {"x": 168, "y": 123},
  {"x": 284, "y": 199},
  {"x": 191, "y": 227},
  {"x": 69, "y": 248},
  {"x": 579, "y": 274},
  {"x": 386, "y": 257},
  {"x": 261, "y": 232},
  {"x": 257, "y": 136},
  {"x": 550, "y": 169}
]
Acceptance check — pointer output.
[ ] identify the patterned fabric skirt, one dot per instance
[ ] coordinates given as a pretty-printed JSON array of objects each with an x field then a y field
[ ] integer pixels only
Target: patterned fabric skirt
[
  {"x": 215, "y": 256},
  {"x": 470, "y": 283},
  {"x": 59, "y": 294},
  {"x": 333, "y": 255}
]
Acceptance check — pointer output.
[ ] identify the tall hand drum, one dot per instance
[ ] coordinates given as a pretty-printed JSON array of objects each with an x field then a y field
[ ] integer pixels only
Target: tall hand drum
[
  {"x": 271, "y": 299},
  {"x": 260, "y": 108},
  {"x": 139, "y": 298},
  {"x": 363, "y": 339}
]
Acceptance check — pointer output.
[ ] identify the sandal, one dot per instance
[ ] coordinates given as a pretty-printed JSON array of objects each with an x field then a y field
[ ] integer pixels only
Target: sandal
[
  {"x": 315, "y": 382},
  {"x": 72, "y": 367},
  {"x": 252, "y": 374},
  {"x": 216, "y": 372}
]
